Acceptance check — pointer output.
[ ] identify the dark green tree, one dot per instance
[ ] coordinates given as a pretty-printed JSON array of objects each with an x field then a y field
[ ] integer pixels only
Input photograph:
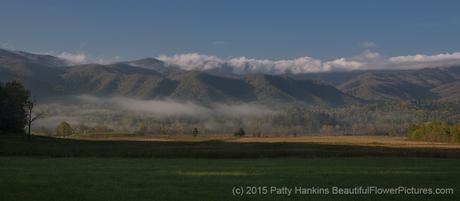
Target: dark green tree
[{"x": 13, "y": 99}]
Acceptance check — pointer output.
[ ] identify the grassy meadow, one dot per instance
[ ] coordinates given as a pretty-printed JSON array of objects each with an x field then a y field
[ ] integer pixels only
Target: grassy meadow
[
  {"x": 222, "y": 147},
  {"x": 208, "y": 168},
  {"x": 74, "y": 179}
]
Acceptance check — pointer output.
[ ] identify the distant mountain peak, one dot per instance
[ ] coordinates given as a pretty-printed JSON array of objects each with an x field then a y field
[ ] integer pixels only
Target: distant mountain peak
[
  {"x": 146, "y": 62},
  {"x": 153, "y": 64},
  {"x": 26, "y": 57}
]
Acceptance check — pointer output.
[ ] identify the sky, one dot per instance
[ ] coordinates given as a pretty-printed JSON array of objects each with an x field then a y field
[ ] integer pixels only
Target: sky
[{"x": 269, "y": 30}]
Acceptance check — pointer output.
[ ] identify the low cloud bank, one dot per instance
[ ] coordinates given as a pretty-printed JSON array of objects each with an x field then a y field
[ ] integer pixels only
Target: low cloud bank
[
  {"x": 93, "y": 110},
  {"x": 164, "y": 108},
  {"x": 368, "y": 60},
  {"x": 82, "y": 58},
  {"x": 73, "y": 58}
]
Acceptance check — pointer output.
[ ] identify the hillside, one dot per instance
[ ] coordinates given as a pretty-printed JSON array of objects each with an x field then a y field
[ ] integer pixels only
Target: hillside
[
  {"x": 40, "y": 73},
  {"x": 152, "y": 79},
  {"x": 422, "y": 84},
  {"x": 116, "y": 80},
  {"x": 48, "y": 76}
]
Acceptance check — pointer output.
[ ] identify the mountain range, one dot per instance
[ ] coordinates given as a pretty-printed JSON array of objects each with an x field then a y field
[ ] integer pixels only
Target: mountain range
[{"x": 48, "y": 77}]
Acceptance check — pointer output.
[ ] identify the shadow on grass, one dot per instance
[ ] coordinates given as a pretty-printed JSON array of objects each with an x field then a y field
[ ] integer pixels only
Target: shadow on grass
[{"x": 11, "y": 145}]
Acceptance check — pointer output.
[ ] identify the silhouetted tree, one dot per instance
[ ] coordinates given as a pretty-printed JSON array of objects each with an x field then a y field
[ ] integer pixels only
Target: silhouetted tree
[
  {"x": 195, "y": 132},
  {"x": 13, "y": 98},
  {"x": 30, "y": 117}
]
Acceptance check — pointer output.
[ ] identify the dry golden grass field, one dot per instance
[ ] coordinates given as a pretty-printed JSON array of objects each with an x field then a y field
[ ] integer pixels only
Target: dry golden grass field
[
  {"x": 222, "y": 146},
  {"x": 380, "y": 141}
]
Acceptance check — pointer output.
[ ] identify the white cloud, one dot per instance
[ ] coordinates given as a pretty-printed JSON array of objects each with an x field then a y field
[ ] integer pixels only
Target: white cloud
[
  {"x": 193, "y": 61},
  {"x": 107, "y": 61},
  {"x": 82, "y": 58},
  {"x": 343, "y": 64},
  {"x": 424, "y": 61},
  {"x": 243, "y": 65},
  {"x": 427, "y": 58},
  {"x": 368, "y": 60},
  {"x": 73, "y": 58}
]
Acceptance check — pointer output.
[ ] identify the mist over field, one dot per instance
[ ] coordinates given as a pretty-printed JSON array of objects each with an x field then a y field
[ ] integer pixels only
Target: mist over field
[
  {"x": 93, "y": 111},
  {"x": 169, "y": 107}
]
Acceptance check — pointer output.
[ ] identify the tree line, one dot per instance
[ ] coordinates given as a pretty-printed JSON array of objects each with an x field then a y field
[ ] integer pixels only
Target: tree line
[
  {"x": 379, "y": 118},
  {"x": 17, "y": 115},
  {"x": 434, "y": 131}
]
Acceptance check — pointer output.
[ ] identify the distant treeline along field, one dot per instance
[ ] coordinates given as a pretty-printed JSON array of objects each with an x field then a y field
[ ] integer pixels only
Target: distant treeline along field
[
  {"x": 419, "y": 120},
  {"x": 150, "y": 96}
]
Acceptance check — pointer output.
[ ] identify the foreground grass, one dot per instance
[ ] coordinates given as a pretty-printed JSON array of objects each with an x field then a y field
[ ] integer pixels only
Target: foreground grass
[
  {"x": 23, "y": 178},
  {"x": 58, "y": 147}
]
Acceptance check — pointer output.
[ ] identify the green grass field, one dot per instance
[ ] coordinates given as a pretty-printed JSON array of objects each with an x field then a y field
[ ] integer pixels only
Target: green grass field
[
  {"x": 58, "y": 147},
  {"x": 44, "y": 168},
  {"x": 213, "y": 179}
]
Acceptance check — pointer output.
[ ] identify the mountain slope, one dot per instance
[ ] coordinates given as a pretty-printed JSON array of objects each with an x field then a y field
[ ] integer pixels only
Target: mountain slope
[
  {"x": 155, "y": 65},
  {"x": 391, "y": 84},
  {"x": 149, "y": 78},
  {"x": 449, "y": 92},
  {"x": 117, "y": 80},
  {"x": 39, "y": 73},
  {"x": 204, "y": 87},
  {"x": 398, "y": 85},
  {"x": 285, "y": 89}
]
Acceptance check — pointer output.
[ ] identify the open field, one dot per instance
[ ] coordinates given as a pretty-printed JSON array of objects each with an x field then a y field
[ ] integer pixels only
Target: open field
[
  {"x": 25, "y": 179},
  {"x": 366, "y": 140},
  {"x": 218, "y": 147},
  {"x": 208, "y": 167}
]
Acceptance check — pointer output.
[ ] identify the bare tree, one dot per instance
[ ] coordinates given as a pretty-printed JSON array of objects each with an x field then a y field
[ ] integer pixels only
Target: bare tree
[{"x": 30, "y": 115}]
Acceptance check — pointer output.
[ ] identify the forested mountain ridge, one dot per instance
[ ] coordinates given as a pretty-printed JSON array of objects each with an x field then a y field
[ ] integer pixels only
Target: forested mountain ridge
[
  {"x": 151, "y": 79},
  {"x": 48, "y": 76},
  {"x": 421, "y": 84}
]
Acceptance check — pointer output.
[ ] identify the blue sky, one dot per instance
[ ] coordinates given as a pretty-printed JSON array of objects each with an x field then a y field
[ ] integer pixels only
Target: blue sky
[{"x": 260, "y": 29}]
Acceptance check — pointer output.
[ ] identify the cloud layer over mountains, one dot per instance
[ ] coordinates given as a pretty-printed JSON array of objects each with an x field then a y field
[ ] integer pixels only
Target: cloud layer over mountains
[{"x": 368, "y": 60}]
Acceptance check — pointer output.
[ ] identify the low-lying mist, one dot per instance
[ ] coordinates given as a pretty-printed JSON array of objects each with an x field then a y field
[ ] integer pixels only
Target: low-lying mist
[
  {"x": 167, "y": 108},
  {"x": 128, "y": 114},
  {"x": 90, "y": 114}
]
